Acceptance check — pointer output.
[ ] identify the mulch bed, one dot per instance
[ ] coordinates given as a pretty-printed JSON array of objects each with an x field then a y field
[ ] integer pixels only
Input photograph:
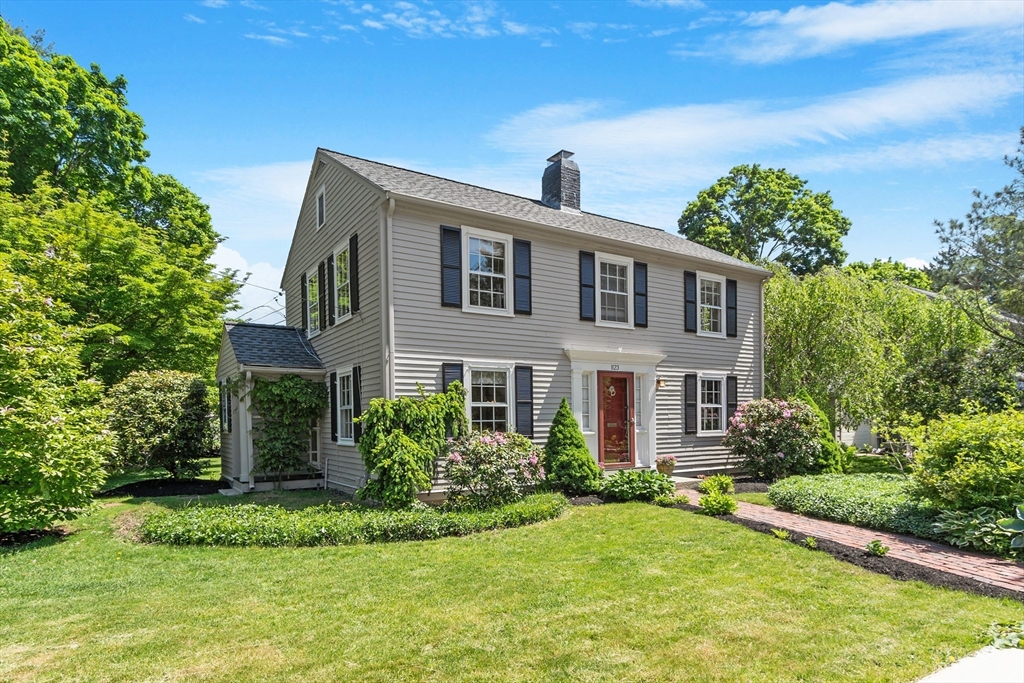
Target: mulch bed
[
  {"x": 155, "y": 488},
  {"x": 16, "y": 538},
  {"x": 586, "y": 500},
  {"x": 901, "y": 570},
  {"x": 741, "y": 486}
]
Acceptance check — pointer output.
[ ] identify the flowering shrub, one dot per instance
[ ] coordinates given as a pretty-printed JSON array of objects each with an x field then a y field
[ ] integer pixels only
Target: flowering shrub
[
  {"x": 665, "y": 460},
  {"x": 774, "y": 438},
  {"x": 486, "y": 469}
]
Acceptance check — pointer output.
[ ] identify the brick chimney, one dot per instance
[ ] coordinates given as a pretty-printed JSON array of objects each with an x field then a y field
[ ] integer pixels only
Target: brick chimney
[{"x": 560, "y": 188}]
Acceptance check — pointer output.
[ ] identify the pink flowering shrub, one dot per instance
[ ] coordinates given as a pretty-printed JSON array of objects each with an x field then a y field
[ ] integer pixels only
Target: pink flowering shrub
[
  {"x": 774, "y": 438},
  {"x": 487, "y": 469}
]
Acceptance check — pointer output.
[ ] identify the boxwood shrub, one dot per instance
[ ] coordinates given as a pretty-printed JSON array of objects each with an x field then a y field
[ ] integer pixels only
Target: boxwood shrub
[
  {"x": 332, "y": 524},
  {"x": 877, "y": 501}
]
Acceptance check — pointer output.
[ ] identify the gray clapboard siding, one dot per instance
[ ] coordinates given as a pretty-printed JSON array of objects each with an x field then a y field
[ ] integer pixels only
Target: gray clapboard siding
[{"x": 230, "y": 448}]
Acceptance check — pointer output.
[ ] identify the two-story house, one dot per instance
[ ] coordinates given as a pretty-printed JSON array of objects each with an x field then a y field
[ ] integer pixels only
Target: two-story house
[{"x": 397, "y": 279}]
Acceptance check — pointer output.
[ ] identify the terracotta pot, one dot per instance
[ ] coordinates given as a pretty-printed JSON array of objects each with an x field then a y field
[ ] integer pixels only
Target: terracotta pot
[{"x": 665, "y": 468}]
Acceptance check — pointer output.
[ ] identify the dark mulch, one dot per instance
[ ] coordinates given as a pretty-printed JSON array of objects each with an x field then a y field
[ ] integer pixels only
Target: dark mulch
[
  {"x": 586, "y": 500},
  {"x": 741, "y": 486},
  {"x": 16, "y": 538},
  {"x": 901, "y": 570},
  {"x": 154, "y": 488}
]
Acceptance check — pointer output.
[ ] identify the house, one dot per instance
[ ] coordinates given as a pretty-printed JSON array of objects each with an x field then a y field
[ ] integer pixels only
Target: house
[{"x": 397, "y": 280}]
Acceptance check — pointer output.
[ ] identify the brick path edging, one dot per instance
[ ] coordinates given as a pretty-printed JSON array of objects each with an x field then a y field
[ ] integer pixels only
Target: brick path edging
[{"x": 982, "y": 568}]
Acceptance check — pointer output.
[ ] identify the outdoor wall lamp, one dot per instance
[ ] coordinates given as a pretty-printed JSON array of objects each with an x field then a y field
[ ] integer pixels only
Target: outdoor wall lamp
[{"x": 660, "y": 383}]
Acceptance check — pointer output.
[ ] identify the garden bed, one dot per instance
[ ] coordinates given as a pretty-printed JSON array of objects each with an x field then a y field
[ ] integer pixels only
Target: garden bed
[
  {"x": 156, "y": 488},
  {"x": 17, "y": 538}
]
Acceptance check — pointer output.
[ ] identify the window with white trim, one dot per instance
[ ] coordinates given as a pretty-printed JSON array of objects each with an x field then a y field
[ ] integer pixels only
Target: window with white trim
[
  {"x": 313, "y": 301},
  {"x": 225, "y": 408},
  {"x": 342, "y": 284},
  {"x": 710, "y": 300},
  {"x": 585, "y": 402},
  {"x": 488, "y": 400},
  {"x": 314, "y": 442},
  {"x": 638, "y": 404},
  {"x": 614, "y": 290},
  {"x": 346, "y": 428},
  {"x": 711, "y": 412},
  {"x": 321, "y": 207},
  {"x": 486, "y": 281}
]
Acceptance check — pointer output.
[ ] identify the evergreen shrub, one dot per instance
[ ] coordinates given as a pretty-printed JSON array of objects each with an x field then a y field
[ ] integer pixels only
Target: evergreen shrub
[{"x": 567, "y": 460}]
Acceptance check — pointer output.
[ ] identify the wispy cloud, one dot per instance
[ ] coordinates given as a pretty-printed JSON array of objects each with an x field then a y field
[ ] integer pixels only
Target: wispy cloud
[
  {"x": 273, "y": 40},
  {"x": 417, "y": 21},
  {"x": 194, "y": 19},
  {"x": 215, "y": 4},
  {"x": 254, "y": 301},
  {"x": 252, "y": 4},
  {"x": 679, "y": 4},
  {"x": 932, "y": 152}
]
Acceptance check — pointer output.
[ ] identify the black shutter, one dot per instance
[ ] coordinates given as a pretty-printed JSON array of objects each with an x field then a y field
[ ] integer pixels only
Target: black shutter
[
  {"x": 357, "y": 402},
  {"x": 730, "y": 308},
  {"x": 334, "y": 407},
  {"x": 640, "y": 294},
  {"x": 451, "y": 267},
  {"x": 223, "y": 418},
  {"x": 331, "y": 287},
  {"x": 522, "y": 267},
  {"x": 305, "y": 304},
  {"x": 321, "y": 283},
  {"x": 353, "y": 273},
  {"x": 227, "y": 395},
  {"x": 450, "y": 372},
  {"x": 690, "y": 403},
  {"x": 587, "y": 285},
  {"x": 730, "y": 398},
  {"x": 524, "y": 400},
  {"x": 690, "y": 291}
]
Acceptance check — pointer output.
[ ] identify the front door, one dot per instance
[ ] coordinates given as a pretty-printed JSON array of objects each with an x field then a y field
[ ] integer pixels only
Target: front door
[{"x": 615, "y": 419}]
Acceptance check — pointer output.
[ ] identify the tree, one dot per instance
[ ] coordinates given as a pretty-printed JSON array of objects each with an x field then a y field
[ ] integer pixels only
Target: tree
[
  {"x": 767, "y": 214},
  {"x": 984, "y": 257},
  {"x": 891, "y": 271}
]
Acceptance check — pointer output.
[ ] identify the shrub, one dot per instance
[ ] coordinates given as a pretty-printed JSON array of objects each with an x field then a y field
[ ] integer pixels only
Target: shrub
[
  {"x": 876, "y": 548},
  {"x": 774, "y": 439},
  {"x": 811, "y": 543},
  {"x": 781, "y": 534},
  {"x": 161, "y": 418},
  {"x": 877, "y": 501},
  {"x": 286, "y": 406},
  {"x": 834, "y": 457},
  {"x": 486, "y": 470},
  {"x": 567, "y": 460},
  {"x": 346, "y": 524},
  {"x": 973, "y": 460},
  {"x": 717, "y": 503},
  {"x": 722, "y": 483},
  {"x": 645, "y": 485},
  {"x": 978, "y": 529}
]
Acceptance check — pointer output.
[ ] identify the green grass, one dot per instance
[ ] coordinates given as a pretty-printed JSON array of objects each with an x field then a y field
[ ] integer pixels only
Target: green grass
[
  {"x": 755, "y": 498},
  {"x": 625, "y": 592},
  {"x": 211, "y": 470}
]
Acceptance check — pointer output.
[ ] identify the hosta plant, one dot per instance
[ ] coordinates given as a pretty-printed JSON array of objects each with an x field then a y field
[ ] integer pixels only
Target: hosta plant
[
  {"x": 716, "y": 503},
  {"x": 644, "y": 485},
  {"x": 1015, "y": 527},
  {"x": 722, "y": 483},
  {"x": 774, "y": 439}
]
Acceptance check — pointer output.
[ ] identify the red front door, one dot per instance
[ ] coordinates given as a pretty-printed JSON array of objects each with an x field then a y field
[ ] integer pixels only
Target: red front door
[{"x": 615, "y": 419}]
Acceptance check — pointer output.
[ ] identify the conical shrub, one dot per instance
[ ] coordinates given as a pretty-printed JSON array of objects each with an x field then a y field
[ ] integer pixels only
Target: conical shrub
[{"x": 568, "y": 462}]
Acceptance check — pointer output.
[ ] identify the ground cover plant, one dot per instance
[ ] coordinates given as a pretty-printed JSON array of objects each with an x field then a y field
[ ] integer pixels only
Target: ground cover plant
[
  {"x": 646, "y": 485},
  {"x": 99, "y": 608}
]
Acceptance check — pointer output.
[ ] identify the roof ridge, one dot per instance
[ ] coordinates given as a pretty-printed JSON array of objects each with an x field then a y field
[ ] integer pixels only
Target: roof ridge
[{"x": 248, "y": 324}]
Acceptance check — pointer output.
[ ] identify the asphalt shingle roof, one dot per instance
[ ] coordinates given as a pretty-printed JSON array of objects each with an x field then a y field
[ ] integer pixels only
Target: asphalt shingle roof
[
  {"x": 274, "y": 346},
  {"x": 415, "y": 184}
]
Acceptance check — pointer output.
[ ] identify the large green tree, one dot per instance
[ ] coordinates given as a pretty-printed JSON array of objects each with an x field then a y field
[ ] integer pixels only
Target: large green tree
[
  {"x": 765, "y": 215},
  {"x": 891, "y": 271}
]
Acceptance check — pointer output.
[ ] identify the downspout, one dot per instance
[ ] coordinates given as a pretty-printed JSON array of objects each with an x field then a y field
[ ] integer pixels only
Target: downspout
[
  {"x": 248, "y": 426},
  {"x": 389, "y": 301},
  {"x": 761, "y": 362}
]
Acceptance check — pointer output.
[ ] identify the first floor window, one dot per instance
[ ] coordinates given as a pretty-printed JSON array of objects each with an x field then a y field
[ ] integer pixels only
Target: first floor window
[
  {"x": 710, "y": 305},
  {"x": 585, "y": 403},
  {"x": 488, "y": 398},
  {"x": 487, "y": 273},
  {"x": 314, "y": 442},
  {"x": 614, "y": 292},
  {"x": 345, "y": 424},
  {"x": 225, "y": 408},
  {"x": 638, "y": 402},
  {"x": 313, "y": 301},
  {"x": 342, "y": 284},
  {"x": 711, "y": 405}
]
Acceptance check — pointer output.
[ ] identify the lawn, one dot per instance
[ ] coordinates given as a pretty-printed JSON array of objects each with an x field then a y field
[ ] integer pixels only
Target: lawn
[
  {"x": 607, "y": 593},
  {"x": 755, "y": 498}
]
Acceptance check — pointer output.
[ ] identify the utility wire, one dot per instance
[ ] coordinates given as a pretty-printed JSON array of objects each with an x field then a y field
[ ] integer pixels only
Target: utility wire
[{"x": 265, "y": 316}]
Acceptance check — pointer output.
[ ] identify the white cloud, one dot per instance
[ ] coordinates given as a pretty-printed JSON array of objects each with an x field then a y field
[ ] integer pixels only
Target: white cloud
[
  {"x": 273, "y": 40},
  {"x": 662, "y": 32},
  {"x": 291, "y": 31},
  {"x": 680, "y": 4},
  {"x": 914, "y": 262},
  {"x": 425, "y": 22},
  {"x": 194, "y": 19},
  {"x": 251, "y": 4},
  {"x": 806, "y": 31},
  {"x": 215, "y": 4},
  {"x": 255, "y": 302},
  {"x": 257, "y": 204},
  {"x": 933, "y": 152}
]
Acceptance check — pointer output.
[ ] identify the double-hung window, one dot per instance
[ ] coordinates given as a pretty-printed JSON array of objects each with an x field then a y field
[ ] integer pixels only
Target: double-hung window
[
  {"x": 615, "y": 290},
  {"x": 346, "y": 427},
  {"x": 314, "y": 443},
  {"x": 321, "y": 208},
  {"x": 711, "y": 300},
  {"x": 343, "y": 283},
  {"x": 487, "y": 280},
  {"x": 313, "y": 301},
  {"x": 712, "y": 405},
  {"x": 488, "y": 400}
]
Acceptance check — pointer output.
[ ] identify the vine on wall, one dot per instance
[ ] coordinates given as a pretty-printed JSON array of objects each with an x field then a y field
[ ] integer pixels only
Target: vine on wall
[{"x": 287, "y": 406}]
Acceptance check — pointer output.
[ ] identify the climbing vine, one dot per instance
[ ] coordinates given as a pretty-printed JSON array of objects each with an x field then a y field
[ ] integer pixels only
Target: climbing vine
[
  {"x": 287, "y": 406},
  {"x": 403, "y": 438}
]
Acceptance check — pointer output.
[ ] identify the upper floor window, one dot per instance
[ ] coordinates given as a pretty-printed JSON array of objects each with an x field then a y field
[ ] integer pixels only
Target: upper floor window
[
  {"x": 488, "y": 400},
  {"x": 343, "y": 283},
  {"x": 486, "y": 276},
  {"x": 313, "y": 302},
  {"x": 711, "y": 291},
  {"x": 712, "y": 404},
  {"x": 615, "y": 290},
  {"x": 321, "y": 208}
]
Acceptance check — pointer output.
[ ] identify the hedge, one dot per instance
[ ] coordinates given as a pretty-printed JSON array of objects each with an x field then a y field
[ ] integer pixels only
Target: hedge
[
  {"x": 878, "y": 501},
  {"x": 332, "y": 524}
]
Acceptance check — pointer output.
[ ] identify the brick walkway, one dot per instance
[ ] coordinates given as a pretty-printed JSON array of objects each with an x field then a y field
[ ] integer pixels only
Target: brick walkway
[{"x": 983, "y": 568}]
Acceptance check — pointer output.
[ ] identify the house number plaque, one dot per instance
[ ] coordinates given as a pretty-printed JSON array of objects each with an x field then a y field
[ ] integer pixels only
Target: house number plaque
[{"x": 615, "y": 367}]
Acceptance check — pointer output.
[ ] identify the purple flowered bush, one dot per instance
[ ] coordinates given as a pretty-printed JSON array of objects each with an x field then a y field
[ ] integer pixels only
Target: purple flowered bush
[
  {"x": 774, "y": 438},
  {"x": 486, "y": 469}
]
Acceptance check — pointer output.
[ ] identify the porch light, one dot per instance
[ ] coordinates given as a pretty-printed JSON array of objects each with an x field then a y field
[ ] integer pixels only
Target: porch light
[{"x": 660, "y": 383}]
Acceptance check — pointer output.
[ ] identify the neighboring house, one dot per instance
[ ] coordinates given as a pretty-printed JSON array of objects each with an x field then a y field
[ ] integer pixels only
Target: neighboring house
[{"x": 397, "y": 280}]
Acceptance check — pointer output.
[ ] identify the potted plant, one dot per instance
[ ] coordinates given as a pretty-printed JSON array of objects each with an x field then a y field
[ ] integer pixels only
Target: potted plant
[{"x": 665, "y": 464}]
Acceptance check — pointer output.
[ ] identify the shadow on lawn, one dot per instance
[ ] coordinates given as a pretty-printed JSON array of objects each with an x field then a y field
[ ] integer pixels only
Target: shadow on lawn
[{"x": 20, "y": 541}]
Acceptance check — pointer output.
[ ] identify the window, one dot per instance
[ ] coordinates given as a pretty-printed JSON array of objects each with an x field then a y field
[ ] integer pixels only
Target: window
[
  {"x": 314, "y": 442},
  {"x": 585, "y": 403},
  {"x": 342, "y": 284},
  {"x": 488, "y": 400},
  {"x": 638, "y": 404},
  {"x": 225, "y": 408},
  {"x": 712, "y": 409},
  {"x": 345, "y": 424},
  {"x": 313, "y": 302},
  {"x": 488, "y": 257},
  {"x": 710, "y": 290},
  {"x": 615, "y": 290},
  {"x": 321, "y": 208}
]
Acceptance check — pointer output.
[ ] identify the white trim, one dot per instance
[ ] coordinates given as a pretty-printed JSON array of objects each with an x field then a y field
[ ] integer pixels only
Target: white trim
[
  {"x": 343, "y": 248},
  {"x": 468, "y": 367},
  {"x": 467, "y": 233},
  {"x": 599, "y": 258},
  {"x": 701, "y": 377},
  {"x": 613, "y": 356},
  {"x": 701, "y": 275},
  {"x": 310, "y": 332},
  {"x": 322, "y": 192},
  {"x": 343, "y": 371}
]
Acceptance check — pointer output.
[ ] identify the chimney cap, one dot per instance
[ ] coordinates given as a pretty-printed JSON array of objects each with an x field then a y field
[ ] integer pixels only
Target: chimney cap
[{"x": 558, "y": 156}]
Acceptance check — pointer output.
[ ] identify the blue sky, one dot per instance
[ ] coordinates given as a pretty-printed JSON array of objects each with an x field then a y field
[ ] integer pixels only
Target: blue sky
[{"x": 898, "y": 109}]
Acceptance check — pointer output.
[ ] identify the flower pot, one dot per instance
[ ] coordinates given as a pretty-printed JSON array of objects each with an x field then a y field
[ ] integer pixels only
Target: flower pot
[{"x": 665, "y": 468}]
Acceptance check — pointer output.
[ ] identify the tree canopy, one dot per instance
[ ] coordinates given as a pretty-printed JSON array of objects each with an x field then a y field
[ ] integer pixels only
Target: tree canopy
[
  {"x": 765, "y": 215},
  {"x": 891, "y": 271}
]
